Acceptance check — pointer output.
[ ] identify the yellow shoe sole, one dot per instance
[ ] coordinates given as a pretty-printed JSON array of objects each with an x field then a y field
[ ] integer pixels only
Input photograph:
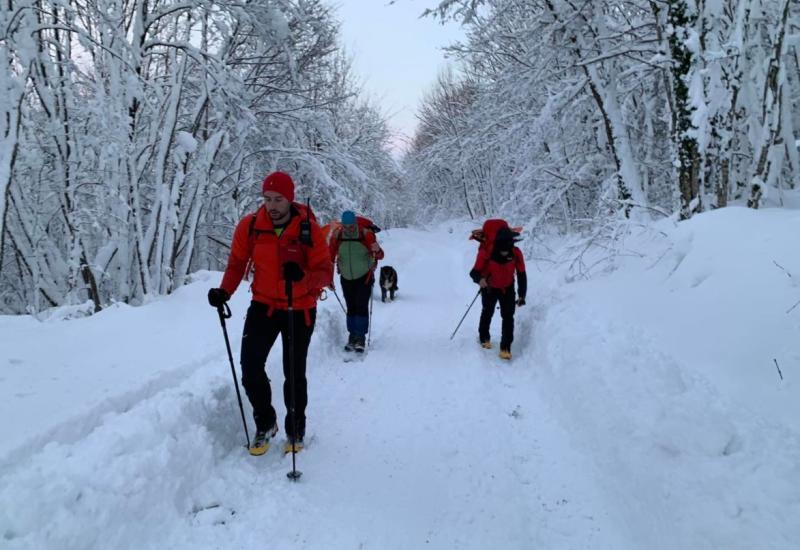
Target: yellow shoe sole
[
  {"x": 258, "y": 451},
  {"x": 292, "y": 448}
]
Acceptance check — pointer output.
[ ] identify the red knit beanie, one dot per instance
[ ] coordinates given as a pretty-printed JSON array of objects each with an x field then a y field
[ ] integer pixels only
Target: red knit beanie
[{"x": 279, "y": 182}]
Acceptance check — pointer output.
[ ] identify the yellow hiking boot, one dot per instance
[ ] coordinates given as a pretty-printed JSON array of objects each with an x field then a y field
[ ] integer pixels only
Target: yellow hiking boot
[
  {"x": 505, "y": 354},
  {"x": 486, "y": 345},
  {"x": 293, "y": 446},
  {"x": 260, "y": 444}
]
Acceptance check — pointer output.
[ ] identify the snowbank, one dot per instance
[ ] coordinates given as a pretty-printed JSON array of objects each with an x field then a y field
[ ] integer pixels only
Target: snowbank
[
  {"x": 59, "y": 370},
  {"x": 666, "y": 371}
]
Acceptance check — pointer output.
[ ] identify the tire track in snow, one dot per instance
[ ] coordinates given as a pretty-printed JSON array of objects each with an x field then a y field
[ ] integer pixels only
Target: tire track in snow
[{"x": 77, "y": 427}]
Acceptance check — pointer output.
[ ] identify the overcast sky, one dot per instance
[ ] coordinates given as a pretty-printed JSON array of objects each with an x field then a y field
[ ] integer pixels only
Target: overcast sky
[{"x": 397, "y": 54}]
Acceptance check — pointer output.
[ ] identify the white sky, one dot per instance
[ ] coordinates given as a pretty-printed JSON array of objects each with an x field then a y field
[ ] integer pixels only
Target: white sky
[{"x": 397, "y": 54}]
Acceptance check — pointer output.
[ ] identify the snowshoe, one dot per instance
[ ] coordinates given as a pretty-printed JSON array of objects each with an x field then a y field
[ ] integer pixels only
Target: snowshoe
[{"x": 260, "y": 444}]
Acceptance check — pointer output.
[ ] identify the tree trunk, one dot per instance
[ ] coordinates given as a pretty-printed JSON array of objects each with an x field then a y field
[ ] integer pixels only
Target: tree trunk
[
  {"x": 771, "y": 151},
  {"x": 682, "y": 20}
]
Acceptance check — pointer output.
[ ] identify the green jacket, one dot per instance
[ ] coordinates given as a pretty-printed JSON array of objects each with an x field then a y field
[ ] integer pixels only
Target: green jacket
[{"x": 354, "y": 259}]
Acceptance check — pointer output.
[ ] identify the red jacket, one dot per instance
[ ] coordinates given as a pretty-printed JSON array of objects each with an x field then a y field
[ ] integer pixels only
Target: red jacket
[
  {"x": 258, "y": 245},
  {"x": 499, "y": 275}
]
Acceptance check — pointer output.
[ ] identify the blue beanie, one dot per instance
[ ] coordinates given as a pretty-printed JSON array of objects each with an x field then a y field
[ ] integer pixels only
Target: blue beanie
[{"x": 348, "y": 217}]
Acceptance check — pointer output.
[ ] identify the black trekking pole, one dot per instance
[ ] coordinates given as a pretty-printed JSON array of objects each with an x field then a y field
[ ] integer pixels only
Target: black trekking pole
[
  {"x": 225, "y": 313},
  {"x": 340, "y": 301},
  {"x": 371, "y": 299},
  {"x": 465, "y": 314},
  {"x": 295, "y": 474}
]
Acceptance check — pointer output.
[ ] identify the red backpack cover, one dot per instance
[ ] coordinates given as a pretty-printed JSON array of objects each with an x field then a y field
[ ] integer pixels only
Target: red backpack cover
[{"x": 486, "y": 235}]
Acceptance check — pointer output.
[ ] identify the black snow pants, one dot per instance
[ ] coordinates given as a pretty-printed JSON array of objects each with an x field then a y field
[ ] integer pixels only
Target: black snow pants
[
  {"x": 357, "y": 293},
  {"x": 261, "y": 329},
  {"x": 489, "y": 299}
]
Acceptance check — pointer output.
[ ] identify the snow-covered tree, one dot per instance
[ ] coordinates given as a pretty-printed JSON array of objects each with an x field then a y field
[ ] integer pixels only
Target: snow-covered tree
[
  {"x": 135, "y": 134},
  {"x": 579, "y": 110}
]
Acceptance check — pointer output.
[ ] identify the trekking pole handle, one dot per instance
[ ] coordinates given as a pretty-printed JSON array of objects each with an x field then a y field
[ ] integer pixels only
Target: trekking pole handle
[{"x": 224, "y": 311}]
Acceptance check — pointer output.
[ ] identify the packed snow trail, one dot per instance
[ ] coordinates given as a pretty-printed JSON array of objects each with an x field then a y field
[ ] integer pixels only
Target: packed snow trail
[
  {"x": 425, "y": 443},
  {"x": 592, "y": 437}
]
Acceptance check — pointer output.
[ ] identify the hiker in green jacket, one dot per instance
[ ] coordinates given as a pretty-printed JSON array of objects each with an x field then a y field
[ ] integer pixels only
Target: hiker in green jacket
[{"x": 356, "y": 252}]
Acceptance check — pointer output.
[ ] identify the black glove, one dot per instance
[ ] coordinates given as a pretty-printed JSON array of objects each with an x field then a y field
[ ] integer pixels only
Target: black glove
[
  {"x": 217, "y": 297},
  {"x": 293, "y": 272},
  {"x": 520, "y": 301},
  {"x": 475, "y": 275}
]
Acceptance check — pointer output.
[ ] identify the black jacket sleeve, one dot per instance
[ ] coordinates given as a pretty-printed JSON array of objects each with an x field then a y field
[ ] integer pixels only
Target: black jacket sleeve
[{"x": 522, "y": 284}]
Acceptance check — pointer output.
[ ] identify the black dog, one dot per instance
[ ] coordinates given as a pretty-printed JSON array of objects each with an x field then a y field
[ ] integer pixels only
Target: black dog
[{"x": 388, "y": 282}]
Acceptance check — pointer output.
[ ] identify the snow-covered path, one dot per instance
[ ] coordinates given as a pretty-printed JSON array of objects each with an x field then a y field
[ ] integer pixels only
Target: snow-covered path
[
  {"x": 126, "y": 432},
  {"x": 425, "y": 443}
]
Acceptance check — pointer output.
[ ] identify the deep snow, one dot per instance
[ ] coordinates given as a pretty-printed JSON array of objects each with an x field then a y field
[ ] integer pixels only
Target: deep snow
[{"x": 642, "y": 410}]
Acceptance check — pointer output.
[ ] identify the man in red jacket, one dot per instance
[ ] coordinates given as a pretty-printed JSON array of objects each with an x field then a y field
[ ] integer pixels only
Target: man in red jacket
[
  {"x": 494, "y": 271},
  {"x": 280, "y": 242}
]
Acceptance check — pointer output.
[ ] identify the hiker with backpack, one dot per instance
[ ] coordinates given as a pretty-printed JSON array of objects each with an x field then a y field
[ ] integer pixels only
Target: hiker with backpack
[
  {"x": 356, "y": 252},
  {"x": 496, "y": 265},
  {"x": 284, "y": 248}
]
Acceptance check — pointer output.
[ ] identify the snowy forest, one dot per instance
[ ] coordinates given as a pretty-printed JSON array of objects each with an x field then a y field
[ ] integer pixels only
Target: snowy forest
[
  {"x": 566, "y": 112},
  {"x": 133, "y": 131}
]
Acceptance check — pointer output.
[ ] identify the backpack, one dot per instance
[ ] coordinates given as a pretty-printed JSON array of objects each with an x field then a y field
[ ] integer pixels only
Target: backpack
[
  {"x": 334, "y": 228},
  {"x": 487, "y": 234},
  {"x": 354, "y": 256},
  {"x": 366, "y": 223}
]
